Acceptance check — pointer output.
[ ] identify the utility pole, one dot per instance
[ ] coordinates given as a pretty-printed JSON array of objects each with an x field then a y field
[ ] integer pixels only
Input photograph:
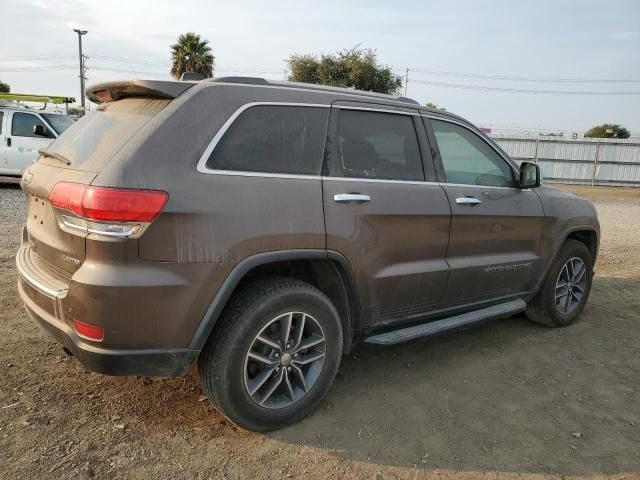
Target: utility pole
[
  {"x": 82, "y": 68},
  {"x": 406, "y": 81}
]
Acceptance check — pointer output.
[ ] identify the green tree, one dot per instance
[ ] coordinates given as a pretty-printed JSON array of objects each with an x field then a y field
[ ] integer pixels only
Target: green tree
[
  {"x": 356, "y": 68},
  {"x": 608, "y": 130},
  {"x": 4, "y": 87},
  {"x": 191, "y": 53}
]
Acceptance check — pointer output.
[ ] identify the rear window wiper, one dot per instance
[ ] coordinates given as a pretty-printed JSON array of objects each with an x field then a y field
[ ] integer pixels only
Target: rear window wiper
[{"x": 48, "y": 153}]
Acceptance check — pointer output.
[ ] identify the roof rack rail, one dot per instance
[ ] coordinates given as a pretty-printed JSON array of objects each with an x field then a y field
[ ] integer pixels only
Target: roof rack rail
[{"x": 311, "y": 86}]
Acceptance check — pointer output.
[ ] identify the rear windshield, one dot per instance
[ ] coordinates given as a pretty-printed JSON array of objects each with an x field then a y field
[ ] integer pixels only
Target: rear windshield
[
  {"x": 93, "y": 140},
  {"x": 59, "y": 122}
]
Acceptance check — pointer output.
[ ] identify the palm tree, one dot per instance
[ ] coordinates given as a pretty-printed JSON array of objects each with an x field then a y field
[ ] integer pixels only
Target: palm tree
[{"x": 191, "y": 54}]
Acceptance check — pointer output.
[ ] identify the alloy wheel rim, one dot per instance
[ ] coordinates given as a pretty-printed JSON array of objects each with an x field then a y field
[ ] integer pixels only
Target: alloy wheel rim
[
  {"x": 285, "y": 360},
  {"x": 570, "y": 285}
]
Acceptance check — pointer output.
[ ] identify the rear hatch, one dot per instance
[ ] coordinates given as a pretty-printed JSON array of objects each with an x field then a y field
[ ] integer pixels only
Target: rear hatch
[{"x": 78, "y": 156}]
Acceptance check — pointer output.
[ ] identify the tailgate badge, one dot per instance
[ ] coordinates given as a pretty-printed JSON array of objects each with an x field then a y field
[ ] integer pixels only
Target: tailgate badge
[{"x": 67, "y": 258}]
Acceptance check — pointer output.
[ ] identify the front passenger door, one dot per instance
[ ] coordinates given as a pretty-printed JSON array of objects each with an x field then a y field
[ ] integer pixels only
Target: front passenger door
[{"x": 495, "y": 226}]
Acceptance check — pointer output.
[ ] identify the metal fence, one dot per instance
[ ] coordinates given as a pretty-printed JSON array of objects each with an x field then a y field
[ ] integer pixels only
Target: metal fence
[{"x": 586, "y": 161}]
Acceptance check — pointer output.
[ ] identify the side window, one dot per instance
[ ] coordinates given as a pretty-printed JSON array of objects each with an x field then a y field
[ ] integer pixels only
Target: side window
[
  {"x": 468, "y": 159},
  {"x": 23, "y": 123},
  {"x": 376, "y": 145},
  {"x": 273, "y": 139}
]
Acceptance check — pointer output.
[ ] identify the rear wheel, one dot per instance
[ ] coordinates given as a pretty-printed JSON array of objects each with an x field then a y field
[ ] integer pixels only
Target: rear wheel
[
  {"x": 566, "y": 288},
  {"x": 273, "y": 355}
]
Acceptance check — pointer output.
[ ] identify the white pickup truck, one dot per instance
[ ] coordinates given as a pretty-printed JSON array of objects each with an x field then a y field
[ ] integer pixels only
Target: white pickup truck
[{"x": 23, "y": 132}]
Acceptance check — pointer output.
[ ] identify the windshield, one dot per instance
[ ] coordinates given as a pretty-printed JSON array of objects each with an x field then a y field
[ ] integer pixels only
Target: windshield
[
  {"x": 96, "y": 137},
  {"x": 59, "y": 122}
]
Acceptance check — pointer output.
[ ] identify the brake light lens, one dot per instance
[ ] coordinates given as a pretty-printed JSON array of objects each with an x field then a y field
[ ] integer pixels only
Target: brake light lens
[
  {"x": 114, "y": 212},
  {"x": 108, "y": 204},
  {"x": 89, "y": 330}
]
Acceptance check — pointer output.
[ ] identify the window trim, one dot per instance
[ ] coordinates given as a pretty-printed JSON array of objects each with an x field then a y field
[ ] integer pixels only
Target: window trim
[
  {"x": 202, "y": 163},
  {"x": 508, "y": 160}
]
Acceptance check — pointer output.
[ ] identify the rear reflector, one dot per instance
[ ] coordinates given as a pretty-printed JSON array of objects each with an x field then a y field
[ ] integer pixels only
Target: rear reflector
[
  {"x": 108, "y": 204},
  {"x": 88, "y": 330}
]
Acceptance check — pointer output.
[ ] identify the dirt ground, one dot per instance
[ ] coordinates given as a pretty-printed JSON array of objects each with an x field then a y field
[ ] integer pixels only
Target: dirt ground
[{"x": 506, "y": 400}]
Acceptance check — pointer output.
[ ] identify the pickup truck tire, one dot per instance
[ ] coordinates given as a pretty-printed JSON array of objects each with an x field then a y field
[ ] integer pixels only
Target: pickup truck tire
[
  {"x": 255, "y": 368},
  {"x": 569, "y": 277}
]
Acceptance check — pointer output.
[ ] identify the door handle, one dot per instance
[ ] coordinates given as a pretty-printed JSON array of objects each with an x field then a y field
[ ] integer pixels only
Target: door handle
[
  {"x": 8, "y": 141},
  {"x": 351, "y": 197},
  {"x": 471, "y": 201}
]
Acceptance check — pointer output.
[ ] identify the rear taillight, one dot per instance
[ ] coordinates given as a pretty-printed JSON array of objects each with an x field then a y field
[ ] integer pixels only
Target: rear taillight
[
  {"x": 89, "y": 330},
  {"x": 108, "y": 211}
]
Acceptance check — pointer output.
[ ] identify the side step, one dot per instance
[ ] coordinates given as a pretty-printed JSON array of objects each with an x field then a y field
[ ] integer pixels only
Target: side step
[{"x": 439, "y": 326}]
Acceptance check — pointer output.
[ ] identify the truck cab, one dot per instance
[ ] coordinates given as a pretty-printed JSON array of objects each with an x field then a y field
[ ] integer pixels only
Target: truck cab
[{"x": 23, "y": 132}]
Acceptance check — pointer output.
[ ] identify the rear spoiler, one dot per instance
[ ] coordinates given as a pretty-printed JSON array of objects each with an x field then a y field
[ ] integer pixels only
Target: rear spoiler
[{"x": 112, "y": 91}]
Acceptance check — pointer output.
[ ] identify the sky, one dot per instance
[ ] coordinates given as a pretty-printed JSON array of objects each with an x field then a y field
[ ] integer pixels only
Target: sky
[{"x": 548, "y": 40}]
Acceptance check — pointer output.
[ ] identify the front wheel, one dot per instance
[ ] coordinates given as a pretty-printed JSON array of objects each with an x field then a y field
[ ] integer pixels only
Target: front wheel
[
  {"x": 566, "y": 288},
  {"x": 273, "y": 355}
]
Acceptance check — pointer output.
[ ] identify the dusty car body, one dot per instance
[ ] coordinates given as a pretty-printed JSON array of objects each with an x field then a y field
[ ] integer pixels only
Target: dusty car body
[{"x": 159, "y": 223}]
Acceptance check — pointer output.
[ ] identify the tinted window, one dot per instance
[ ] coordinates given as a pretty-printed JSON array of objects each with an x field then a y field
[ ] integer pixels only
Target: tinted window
[
  {"x": 468, "y": 159},
  {"x": 273, "y": 139},
  {"x": 377, "y": 145},
  {"x": 23, "y": 123}
]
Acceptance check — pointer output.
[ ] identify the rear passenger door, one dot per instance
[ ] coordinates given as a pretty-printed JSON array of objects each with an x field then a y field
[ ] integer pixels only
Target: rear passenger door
[
  {"x": 496, "y": 227},
  {"x": 383, "y": 210}
]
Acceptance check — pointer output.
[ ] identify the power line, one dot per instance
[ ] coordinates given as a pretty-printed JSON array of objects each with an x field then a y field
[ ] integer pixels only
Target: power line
[
  {"x": 36, "y": 57},
  {"x": 38, "y": 68},
  {"x": 129, "y": 60},
  {"x": 524, "y": 79},
  {"x": 517, "y": 90},
  {"x": 110, "y": 69}
]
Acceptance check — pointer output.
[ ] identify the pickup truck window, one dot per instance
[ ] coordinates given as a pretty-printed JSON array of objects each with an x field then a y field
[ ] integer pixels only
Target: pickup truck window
[
  {"x": 23, "y": 123},
  {"x": 59, "y": 122},
  {"x": 468, "y": 159}
]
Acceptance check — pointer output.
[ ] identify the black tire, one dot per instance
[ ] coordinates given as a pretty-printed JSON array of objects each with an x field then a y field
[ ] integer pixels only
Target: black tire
[
  {"x": 543, "y": 309},
  {"x": 222, "y": 362}
]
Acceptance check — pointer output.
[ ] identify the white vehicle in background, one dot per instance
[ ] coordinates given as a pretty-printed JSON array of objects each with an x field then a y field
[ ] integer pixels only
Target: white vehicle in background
[{"x": 22, "y": 132}]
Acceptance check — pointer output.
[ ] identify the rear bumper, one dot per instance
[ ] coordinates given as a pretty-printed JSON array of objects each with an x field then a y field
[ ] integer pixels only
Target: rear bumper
[{"x": 143, "y": 362}]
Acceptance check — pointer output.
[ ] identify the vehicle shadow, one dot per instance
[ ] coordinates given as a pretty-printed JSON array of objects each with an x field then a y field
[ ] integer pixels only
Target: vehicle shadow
[{"x": 509, "y": 396}]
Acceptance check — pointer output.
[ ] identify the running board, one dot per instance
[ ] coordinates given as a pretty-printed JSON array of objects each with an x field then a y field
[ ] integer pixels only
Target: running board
[{"x": 439, "y": 326}]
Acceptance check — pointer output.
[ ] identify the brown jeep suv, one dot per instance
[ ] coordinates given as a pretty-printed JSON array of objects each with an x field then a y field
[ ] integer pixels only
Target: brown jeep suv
[{"x": 264, "y": 228}]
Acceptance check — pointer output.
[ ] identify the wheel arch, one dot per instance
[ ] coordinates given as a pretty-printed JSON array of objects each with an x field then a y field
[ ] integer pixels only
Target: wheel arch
[
  {"x": 586, "y": 234},
  {"x": 328, "y": 271}
]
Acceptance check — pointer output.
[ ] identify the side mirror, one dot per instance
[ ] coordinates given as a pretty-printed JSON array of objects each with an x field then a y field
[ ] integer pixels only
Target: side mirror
[
  {"x": 530, "y": 175},
  {"x": 40, "y": 131}
]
